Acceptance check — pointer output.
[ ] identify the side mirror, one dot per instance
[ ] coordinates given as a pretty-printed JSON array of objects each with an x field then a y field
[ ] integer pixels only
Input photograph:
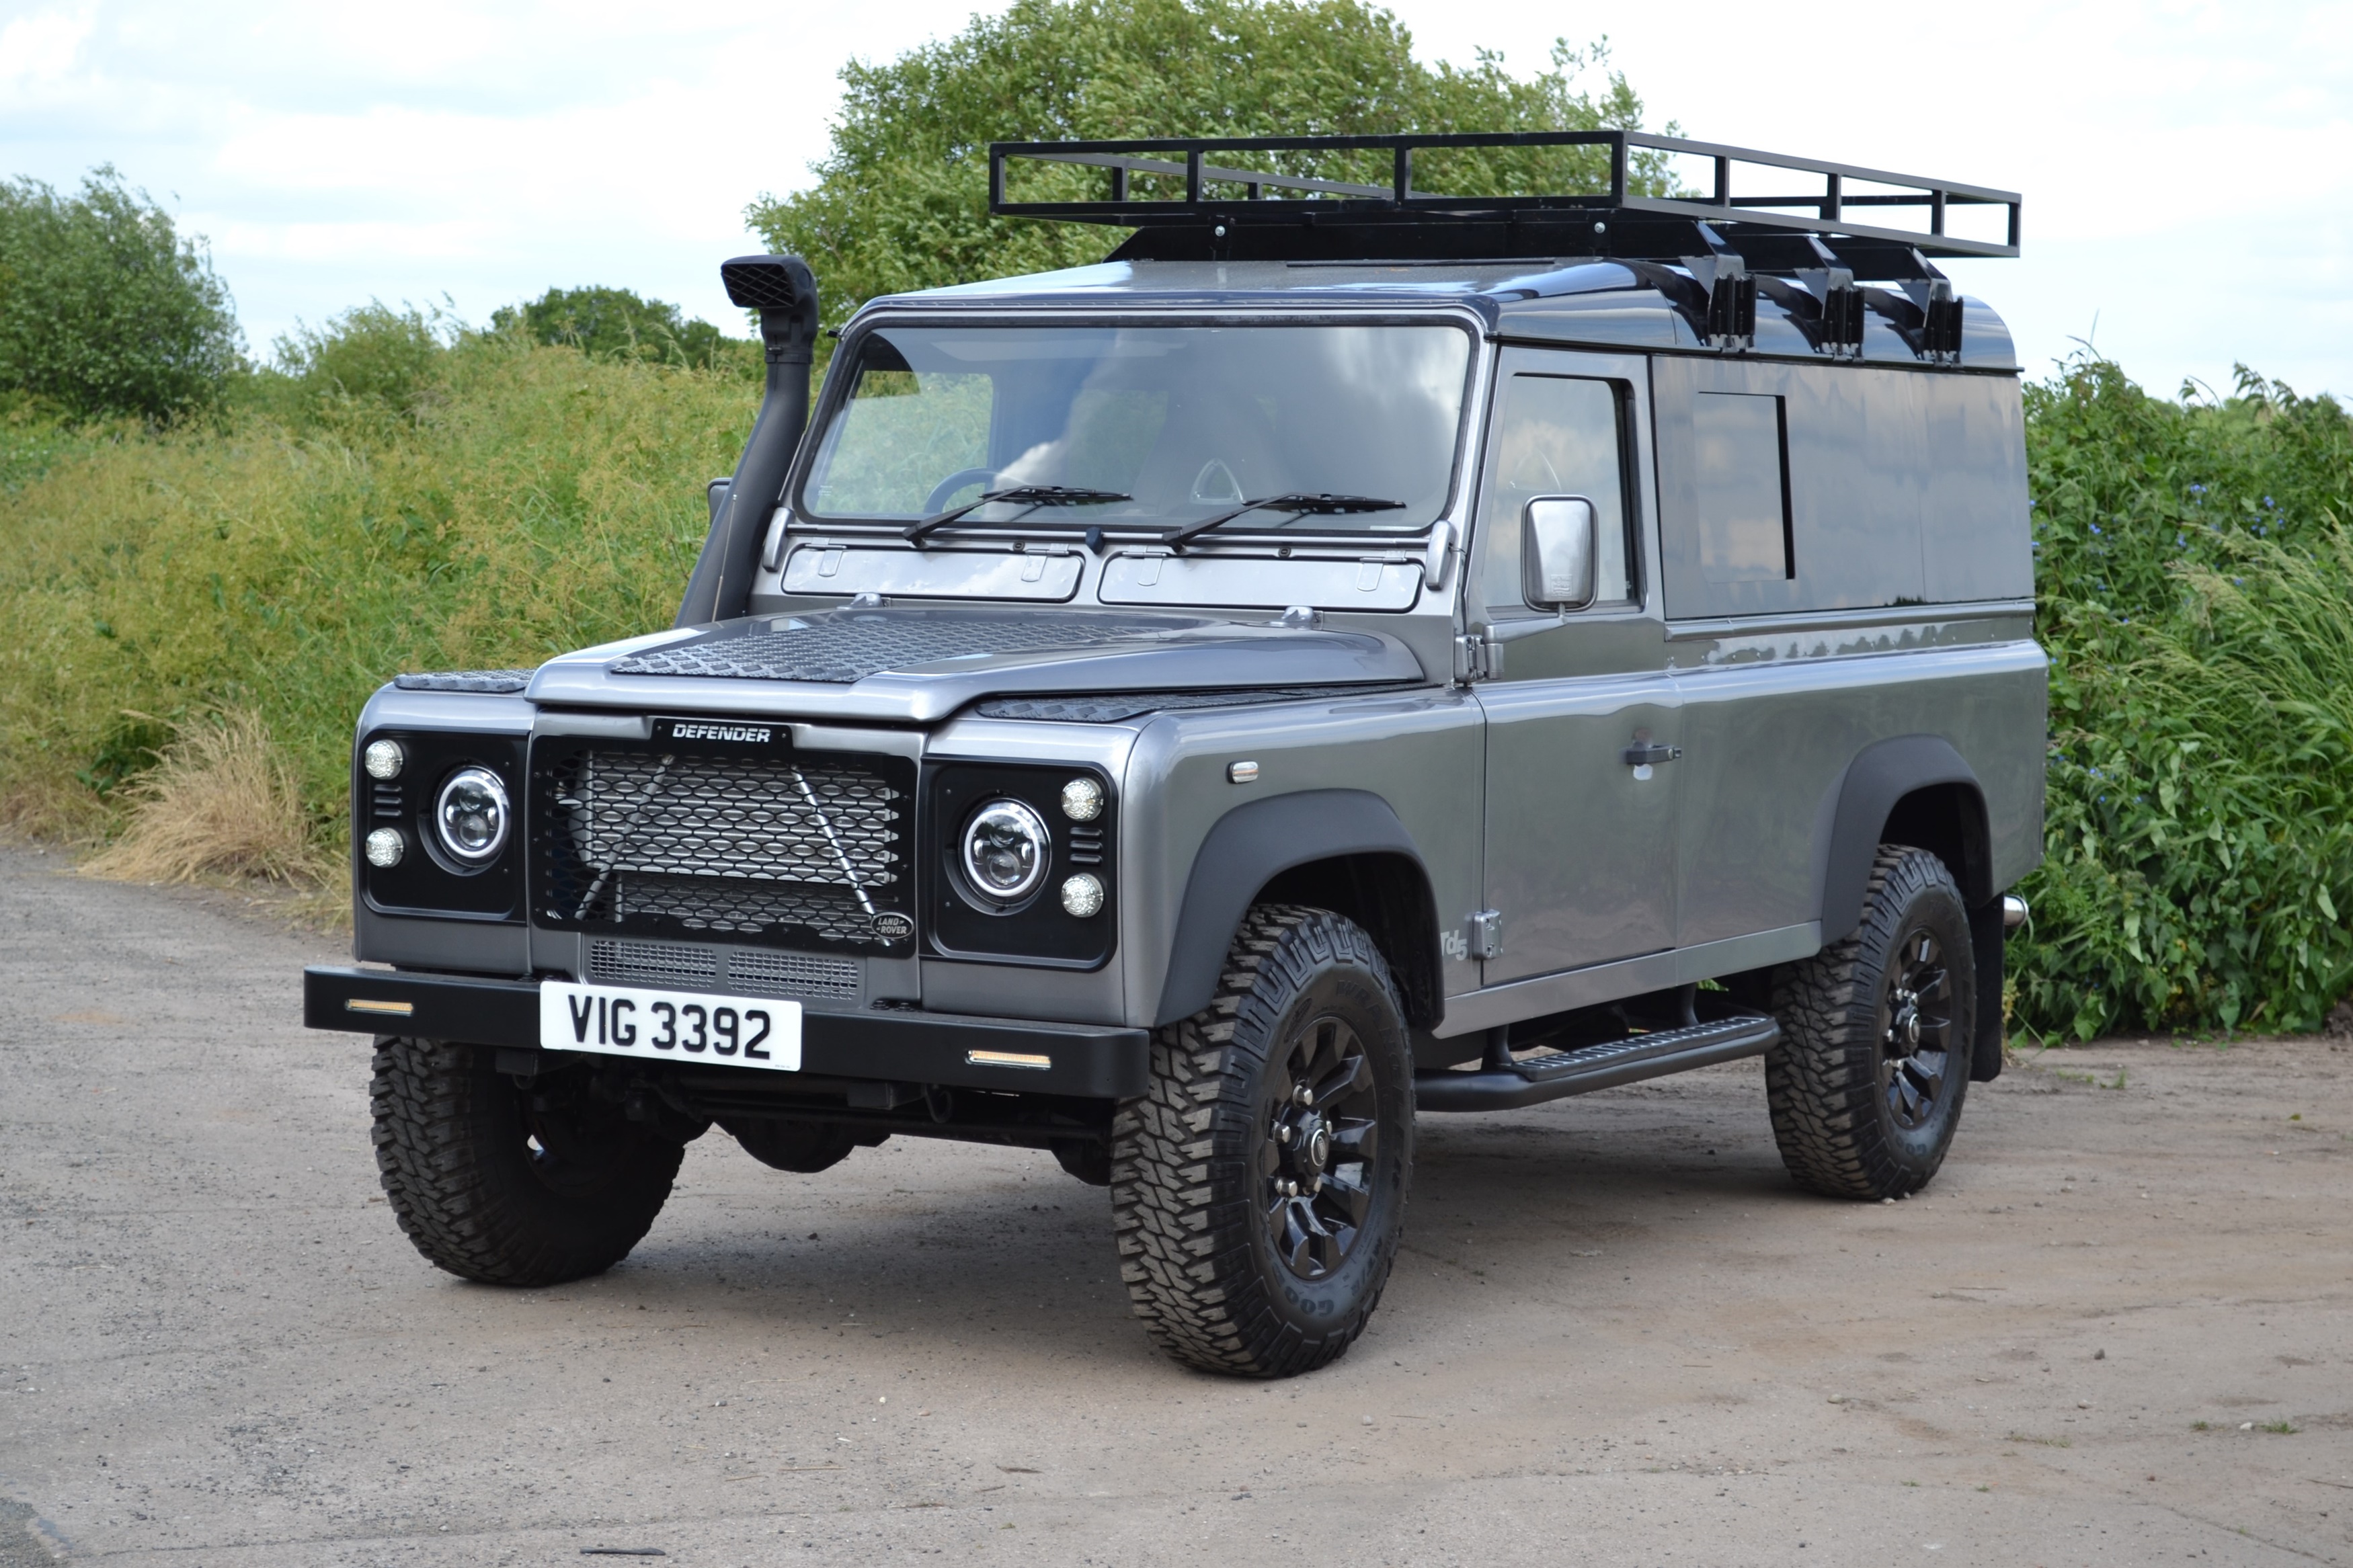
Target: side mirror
[{"x": 1559, "y": 538}]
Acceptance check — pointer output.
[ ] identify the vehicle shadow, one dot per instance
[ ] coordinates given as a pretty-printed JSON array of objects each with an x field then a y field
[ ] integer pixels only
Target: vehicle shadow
[{"x": 952, "y": 1249}]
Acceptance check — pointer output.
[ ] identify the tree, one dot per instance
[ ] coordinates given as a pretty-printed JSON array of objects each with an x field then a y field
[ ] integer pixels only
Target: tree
[
  {"x": 614, "y": 323},
  {"x": 104, "y": 308},
  {"x": 902, "y": 200}
]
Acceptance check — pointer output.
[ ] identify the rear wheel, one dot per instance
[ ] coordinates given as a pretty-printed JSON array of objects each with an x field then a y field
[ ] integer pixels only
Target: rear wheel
[
  {"x": 1865, "y": 1087},
  {"x": 1258, "y": 1188},
  {"x": 509, "y": 1185}
]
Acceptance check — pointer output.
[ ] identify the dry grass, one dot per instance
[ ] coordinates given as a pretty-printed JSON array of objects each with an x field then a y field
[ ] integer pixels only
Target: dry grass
[{"x": 221, "y": 802}]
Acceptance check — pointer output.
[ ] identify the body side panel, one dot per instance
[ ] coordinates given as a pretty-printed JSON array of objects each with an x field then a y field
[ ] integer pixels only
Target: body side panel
[{"x": 1770, "y": 747}]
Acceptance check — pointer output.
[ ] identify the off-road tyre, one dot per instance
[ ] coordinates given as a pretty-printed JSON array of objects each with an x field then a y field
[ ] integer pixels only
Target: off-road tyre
[
  {"x": 1197, "y": 1170},
  {"x": 506, "y": 1185},
  {"x": 1840, "y": 1113}
]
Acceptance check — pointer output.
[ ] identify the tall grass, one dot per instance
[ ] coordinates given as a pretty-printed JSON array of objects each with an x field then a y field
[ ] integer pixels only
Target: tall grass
[
  {"x": 221, "y": 800},
  {"x": 288, "y": 559}
]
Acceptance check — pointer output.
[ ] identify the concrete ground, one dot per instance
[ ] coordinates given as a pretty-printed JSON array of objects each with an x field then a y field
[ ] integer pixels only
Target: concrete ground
[{"x": 2116, "y": 1332}]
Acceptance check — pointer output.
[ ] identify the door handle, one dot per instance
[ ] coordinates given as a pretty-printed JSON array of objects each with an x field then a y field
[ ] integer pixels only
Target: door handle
[{"x": 1644, "y": 752}]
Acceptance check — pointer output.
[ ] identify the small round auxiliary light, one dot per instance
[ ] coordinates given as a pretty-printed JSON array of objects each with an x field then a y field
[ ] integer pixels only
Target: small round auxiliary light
[
  {"x": 383, "y": 759},
  {"x": 1082, "y": 895},
  {"x": 385, "y": 848},
  {"x": 472, "y": 817},
  {"x": 1006, "y": 851},
  {"x": 1083, "y": 799}
]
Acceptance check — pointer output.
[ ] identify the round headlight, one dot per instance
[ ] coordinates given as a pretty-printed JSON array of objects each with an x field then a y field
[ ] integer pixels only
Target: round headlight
[
  {"x": 1082, "y": 895},
  {"x": 1006, "y": 850},
  {"x": 383, "y": 759},
  {"x": 471, "y": 816},
  {"x": 385, "y": 848},
  {"x": 1083, "y": 799}
]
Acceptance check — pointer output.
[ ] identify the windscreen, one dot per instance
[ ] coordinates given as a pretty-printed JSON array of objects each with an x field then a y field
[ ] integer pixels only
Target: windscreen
[{"x": 1186, "y": 422}]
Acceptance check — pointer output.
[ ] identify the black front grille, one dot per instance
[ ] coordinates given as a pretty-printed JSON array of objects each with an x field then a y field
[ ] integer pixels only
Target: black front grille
[
  {"x": 767, "y": 849},
  {"x": 669, "y": 965}
]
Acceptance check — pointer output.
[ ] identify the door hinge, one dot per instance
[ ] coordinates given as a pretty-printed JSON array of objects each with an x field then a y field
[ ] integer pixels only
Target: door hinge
[
  {"x": 1487, "y": 932},
  {"x": 1477, "y": 657}
]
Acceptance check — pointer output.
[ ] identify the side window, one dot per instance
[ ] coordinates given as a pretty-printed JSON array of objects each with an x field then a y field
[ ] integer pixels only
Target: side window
[
  {"x": 1556, "y": 436},
  {"x": 1740, "y": 471}
]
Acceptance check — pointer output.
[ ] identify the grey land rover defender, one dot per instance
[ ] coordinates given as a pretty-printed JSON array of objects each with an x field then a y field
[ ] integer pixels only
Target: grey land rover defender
[{"x": 1356, "y": 652}]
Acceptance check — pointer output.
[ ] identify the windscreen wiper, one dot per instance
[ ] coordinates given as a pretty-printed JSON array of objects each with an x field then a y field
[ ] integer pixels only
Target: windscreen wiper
[
  {"x": 1031, "y": 496},
  {"x": 1299, "y": 502}
]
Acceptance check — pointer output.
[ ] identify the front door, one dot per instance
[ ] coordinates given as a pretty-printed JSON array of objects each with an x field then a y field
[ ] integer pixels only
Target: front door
[{"x": 1581, "y": 842}]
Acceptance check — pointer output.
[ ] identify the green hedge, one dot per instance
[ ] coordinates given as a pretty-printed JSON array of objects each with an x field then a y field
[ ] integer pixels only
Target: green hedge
[{"x": 2196, "y": 583}]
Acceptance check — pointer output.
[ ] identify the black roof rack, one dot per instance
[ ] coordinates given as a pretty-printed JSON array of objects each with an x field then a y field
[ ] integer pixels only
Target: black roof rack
[{"x": 1229, "y": 212}]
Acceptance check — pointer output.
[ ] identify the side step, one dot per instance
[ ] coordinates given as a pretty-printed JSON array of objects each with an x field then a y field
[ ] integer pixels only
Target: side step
[{"x": 1590, "y": 1067}]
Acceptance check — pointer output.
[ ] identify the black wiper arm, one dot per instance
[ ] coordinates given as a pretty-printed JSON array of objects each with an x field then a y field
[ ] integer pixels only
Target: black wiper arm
[
  {"x": 1326, "y": 504},
  {"x": 1032, "y": 496}
]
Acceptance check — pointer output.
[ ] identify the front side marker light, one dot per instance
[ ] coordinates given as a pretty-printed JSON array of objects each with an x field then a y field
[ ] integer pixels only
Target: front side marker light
[
  {"x": 1082, "y": 896},
  {"x": 1083, "y": 799},
  {"x": 383, "y": 759},
  {"x": 385, "y": 848}
]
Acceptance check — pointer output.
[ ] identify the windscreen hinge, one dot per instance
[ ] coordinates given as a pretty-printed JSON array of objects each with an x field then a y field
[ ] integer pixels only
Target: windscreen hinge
[{"x": 1477, "y": 657}]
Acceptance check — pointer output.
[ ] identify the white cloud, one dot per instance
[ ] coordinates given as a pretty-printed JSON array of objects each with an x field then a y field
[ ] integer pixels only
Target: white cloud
[{"x": 38, "y": 50}]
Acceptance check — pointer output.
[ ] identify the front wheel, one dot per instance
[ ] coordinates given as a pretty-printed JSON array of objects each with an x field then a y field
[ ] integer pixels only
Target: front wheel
[
  {"x": 1866, "y": 1087},
  {"x": 1258, "y": 1188},
  {"x": 507, "y": 1184}
]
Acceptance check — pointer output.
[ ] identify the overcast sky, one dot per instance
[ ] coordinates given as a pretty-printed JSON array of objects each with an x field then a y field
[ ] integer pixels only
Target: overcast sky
[{"x": 2187, "y": 167}]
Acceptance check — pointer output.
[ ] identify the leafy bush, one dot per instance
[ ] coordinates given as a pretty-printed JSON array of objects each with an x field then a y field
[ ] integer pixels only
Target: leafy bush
[
  {"x": 104, "y": 309},
  {"x": 901, "y": 201},
  {"x": 614, "y": 323},
  {"x": 2196, "y": 585}
]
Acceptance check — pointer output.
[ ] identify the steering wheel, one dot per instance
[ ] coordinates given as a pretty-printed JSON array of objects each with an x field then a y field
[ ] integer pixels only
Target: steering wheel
[{"x": 953, "y": 483}]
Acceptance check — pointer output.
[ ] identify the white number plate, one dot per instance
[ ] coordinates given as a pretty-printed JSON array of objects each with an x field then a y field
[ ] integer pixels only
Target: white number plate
[{"x": 670, "y": 1026}]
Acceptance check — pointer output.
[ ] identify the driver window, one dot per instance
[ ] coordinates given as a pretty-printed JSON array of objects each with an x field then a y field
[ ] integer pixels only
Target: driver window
[{"x": 1555, "y": 436}]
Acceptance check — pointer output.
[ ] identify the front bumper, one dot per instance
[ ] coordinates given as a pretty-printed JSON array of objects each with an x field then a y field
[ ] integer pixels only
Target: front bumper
[{"x": 1087, "y": 1060}]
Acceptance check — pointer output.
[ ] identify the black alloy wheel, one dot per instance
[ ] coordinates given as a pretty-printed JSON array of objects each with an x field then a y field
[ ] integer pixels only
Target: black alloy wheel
[
  {"x": 1866, "y": 1084},
  {"x": 1919, "y": 1033},
  {"x": 1322, "y": 1130}
]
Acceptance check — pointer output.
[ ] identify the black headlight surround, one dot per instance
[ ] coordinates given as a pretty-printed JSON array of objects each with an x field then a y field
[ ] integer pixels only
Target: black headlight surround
[
  {"x": 962, "y": 925},
  {"x": 430, "y": 881}
]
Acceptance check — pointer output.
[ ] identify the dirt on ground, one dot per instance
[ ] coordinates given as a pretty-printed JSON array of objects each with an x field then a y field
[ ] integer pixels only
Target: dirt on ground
[{"x": 2115, "y": 1331}]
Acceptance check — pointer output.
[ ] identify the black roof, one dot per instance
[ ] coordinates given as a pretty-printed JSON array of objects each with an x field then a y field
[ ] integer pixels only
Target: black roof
[{"x": 1230, "y": 212}]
